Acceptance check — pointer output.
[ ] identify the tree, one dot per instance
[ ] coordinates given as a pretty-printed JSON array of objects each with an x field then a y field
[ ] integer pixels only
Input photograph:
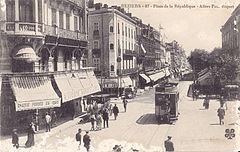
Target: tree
[{"x": 199, "y": 60}]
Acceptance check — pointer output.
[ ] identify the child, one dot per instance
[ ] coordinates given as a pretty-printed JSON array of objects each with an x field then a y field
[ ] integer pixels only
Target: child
[{"x": 15, "y": 138}]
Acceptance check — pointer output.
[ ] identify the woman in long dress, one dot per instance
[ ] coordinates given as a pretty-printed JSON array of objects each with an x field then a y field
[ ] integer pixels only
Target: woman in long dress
[{"x": 30, "y": 138}]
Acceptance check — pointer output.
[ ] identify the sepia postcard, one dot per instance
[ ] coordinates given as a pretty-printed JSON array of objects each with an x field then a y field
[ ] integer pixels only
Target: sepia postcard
[{"x": 119, "y": 76}]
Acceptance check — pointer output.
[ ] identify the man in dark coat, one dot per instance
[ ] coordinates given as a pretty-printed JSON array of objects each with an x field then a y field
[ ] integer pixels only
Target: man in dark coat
[
  {"x": 105, "y": 118},
  {"x": 86, "y": 141},
  {"x": 79, "y": 137},
  {"x": 169, "y": 145},
  {"x": 221, "y": 114},
  {"x": 15, "y": 138},
  {"x": 115, "y": 111}
]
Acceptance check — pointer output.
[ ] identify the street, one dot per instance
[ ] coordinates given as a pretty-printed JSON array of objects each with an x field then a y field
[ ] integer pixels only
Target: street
[{"x": 196, "y": 129}]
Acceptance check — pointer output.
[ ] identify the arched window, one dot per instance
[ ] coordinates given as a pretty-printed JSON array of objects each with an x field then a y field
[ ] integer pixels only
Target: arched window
[
  {"x": 111, "y": 46},
  {"x": 112, "y": 67}
]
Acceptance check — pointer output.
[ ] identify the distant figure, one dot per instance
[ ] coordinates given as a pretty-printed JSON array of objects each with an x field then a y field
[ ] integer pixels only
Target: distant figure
[
  {"x": 206, "y": 102},
  {"x": 92, "y": 120},
  {"x": 79, "y": 138},
  {"x": 115, "y": 111},
  {"x": 15, "y": 138},
  {"x": 223, "y": 102},
  {"x": 125, "y": 104},
  {"x": 48, "y": 122},
  {"x": 30, "y": 137},
  {"x": 86, "y": 141},
  {"x": 221, "y": 114},
  {"x": 105, "y": 117},
  {"x": 99, "y": 121},
  {"x": 54, "y": 118},
  {"x": 169, "y": 145},
  {"x": 110, "y": 109}
]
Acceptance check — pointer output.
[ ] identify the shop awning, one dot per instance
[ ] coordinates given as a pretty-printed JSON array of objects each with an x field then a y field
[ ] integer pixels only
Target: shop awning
[
  {"x": 205, "y": 79},
  {"x": 157, "y": 76},
  {"x": 143, "y": 49},
  {"x": 126, "y": 81},
  {"x": 89, "y": 82},
  {"x": 145, "y": 78},
  {"x": 26, "y": 53},
  {"x": 108, "y": 83},
  {"x": 66, "y": 83},
  {"x": 33, "y": 92}
]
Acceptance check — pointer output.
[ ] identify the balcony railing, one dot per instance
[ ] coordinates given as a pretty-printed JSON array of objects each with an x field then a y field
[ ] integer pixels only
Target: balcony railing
[
  {"x": 22, "y": 28},
  {"x": 130, "y": 52},
  {"x": 55, "y": 31},
  {"x": 129, "y": 71}
]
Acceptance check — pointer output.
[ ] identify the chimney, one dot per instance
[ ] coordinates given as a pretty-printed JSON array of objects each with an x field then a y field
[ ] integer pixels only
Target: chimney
[
  {"x": 98, "y": 6},
  {"x": 105, "y": 6},
  {"x": 129, "y": 14},
  {"x": 91, "y": 4}
]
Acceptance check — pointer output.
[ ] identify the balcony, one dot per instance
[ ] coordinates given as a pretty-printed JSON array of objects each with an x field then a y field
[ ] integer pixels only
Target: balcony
[
  {"x": 55, "y": 31},
  {"x": 22, "y": 28},
  {"x": 129, "y": 71}
]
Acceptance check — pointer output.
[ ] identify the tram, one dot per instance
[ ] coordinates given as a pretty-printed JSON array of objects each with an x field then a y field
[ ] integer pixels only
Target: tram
[{"x": 166, "y": 102}]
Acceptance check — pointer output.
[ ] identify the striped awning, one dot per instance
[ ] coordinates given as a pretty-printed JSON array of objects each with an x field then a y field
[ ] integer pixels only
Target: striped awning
[
  {"x": 205, "y": 79},
  {"x": 33, "y": 92},
  {"x": 26, "y": 53}
]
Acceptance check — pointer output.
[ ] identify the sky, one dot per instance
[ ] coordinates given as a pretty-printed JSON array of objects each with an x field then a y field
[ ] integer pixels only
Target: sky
[{"x": 191, "y": 27}]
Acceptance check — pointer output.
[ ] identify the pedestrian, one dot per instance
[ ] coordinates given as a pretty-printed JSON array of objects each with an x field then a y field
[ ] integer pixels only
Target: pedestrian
[
  {"x": 79, "y": 138},
  {"x": 86, "y": 141},
  {"x": 206, "y": 102},
  {"x": 30, "y": 135},
  {"x": 99, "y": 121},
  {"x": 15, "y": 139},
  {"x": 223, "y": 102},
  {"x": 105, "y": 117},
  {"x": 221, "y": 114},
  {"x": 194, "y": 94},
  {"x": 125, "y": 104},
  {"x": 110, "y": 109},
  {"x": 115, "y": 111},
  {"x": 169, "y": 145},
  {"x": 54, "y": 118},
  {"x": 48, "y": 122},
  {"x": 92, "y": 120}
]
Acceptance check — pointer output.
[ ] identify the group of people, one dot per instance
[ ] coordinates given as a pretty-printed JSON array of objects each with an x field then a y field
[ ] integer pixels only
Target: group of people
[
  {"x": 31, "y": 130},
  {"x": 103, "y": 116},
  {"x": 220, "y": 110},
  {"x": 86, "y": 139}
]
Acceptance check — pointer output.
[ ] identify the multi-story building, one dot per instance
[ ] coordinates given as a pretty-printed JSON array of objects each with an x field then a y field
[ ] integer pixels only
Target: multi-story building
[
  {"x": 112, "y": 36},
  {"x": 231, "y": 32},
  {"x": 43, "y": 47},
  {"x": 231, "y": 36}
]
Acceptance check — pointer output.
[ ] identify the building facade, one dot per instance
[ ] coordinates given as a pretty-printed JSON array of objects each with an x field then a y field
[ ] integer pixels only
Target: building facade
[
  {"x": 112, "y": 37},
  {"x": 43, "y": 49},
  {"x": 231, "y": 36}
]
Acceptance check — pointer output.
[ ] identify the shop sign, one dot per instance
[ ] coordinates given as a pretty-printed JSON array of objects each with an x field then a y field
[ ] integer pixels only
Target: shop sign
[{"x": 37, "y": 105}]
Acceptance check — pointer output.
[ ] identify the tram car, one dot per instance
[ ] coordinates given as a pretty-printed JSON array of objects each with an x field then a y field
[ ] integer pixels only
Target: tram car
[{"x": 166, "y": 102}]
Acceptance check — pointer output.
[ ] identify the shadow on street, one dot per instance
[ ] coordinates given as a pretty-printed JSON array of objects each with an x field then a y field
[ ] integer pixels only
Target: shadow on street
[{"x": 147, "y": 119}]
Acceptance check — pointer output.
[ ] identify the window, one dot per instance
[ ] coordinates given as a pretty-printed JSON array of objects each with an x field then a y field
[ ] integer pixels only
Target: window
[
  {"x": 75, "y": 23},
  {"x": 122, "y": 44},
  {"x": 122, "y": 29},
  {"x": 40, "y": 11},
  {"x": 10, "y": 11},
  {"x": 125, "y": 31},
  {"x": 112, "y": 67},
  {"x": 26, "y": 11},
  {"x": 111, "y": 46},
  {"x": 67, "y": 21},
  {"x": 80, "y": 24},
  {"x": 54, "y": 17},
  {"x": 129, "y": 45},
  {"x": 129, "y": 32},
  {"x": 95, "y": 45},
  {"x": 84, "y": 63},
  {"x": 95, "y": 26},
  {"x": 61, "y": 19},
  {"x": 118, "y": 29},
  {"x": 111, "y": 28}
]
